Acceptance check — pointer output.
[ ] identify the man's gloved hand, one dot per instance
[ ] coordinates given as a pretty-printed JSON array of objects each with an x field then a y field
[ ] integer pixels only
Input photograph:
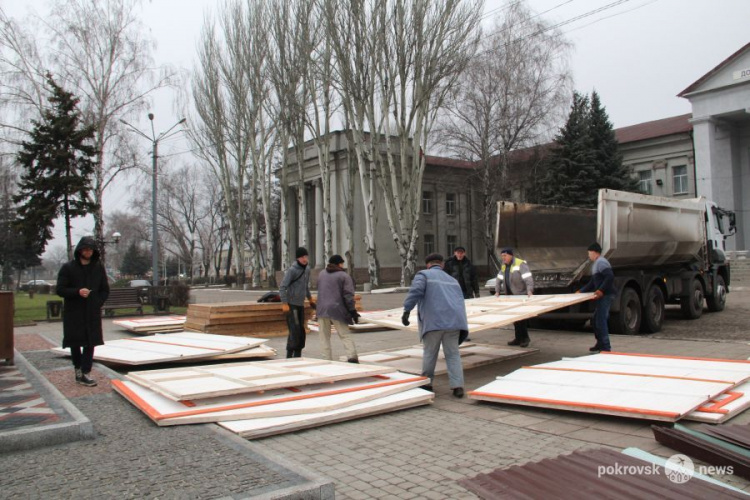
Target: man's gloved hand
[
  {"x": 598, "y": 294},
  {"x": 285, "y": 308},
  {"x": 405, "y": 318},
  {"x": 355, "y": 316}
]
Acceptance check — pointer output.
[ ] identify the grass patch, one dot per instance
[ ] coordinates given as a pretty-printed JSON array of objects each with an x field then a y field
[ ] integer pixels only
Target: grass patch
[{"x": 28, "y": 310}]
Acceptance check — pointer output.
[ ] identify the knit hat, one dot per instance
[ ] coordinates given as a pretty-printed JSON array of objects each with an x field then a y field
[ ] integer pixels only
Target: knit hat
[
  {"x": 301, "y": 252},
  {"x": 433, "y": 257},
  {"x": 336, "y": 260},
  {"x": 595, "y": 247},
  {"x": 509, "y": 251},
  {"x": 459, "y": 248}
]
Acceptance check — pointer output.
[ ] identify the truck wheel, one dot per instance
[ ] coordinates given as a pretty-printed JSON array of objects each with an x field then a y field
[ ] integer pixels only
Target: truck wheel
[
  {"x": 628, "y": 320},
  {"x": 653, "y": 310},
  {"x": 692, "y": 304},
  {"x": 718, "y": 300}
]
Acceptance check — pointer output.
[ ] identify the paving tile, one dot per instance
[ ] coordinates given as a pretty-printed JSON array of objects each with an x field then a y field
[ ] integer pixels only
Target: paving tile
[{"x": 554, "y": 427}]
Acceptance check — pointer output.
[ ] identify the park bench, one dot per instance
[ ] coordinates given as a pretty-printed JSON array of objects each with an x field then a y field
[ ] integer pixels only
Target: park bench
[{"x": 122, "y": 298}]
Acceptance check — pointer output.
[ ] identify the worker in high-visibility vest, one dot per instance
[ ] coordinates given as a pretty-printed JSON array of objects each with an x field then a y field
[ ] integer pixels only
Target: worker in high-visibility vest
[{"x": 515, "y": 279}]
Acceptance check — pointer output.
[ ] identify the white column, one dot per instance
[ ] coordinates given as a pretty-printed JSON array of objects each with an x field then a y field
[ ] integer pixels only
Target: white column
[
  {"x": 319, "y": 256},
  {"x": 704, "y": 140}
]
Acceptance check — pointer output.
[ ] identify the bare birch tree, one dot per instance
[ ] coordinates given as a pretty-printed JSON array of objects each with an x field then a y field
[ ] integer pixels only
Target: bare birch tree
[
  {"x": 355, "y": 25},
  {"x": 220, "y": 134},
  {"x": 427, "y": 46},
  {"x": 102, "y": 54},
  {"x": 514, "y": 92}
]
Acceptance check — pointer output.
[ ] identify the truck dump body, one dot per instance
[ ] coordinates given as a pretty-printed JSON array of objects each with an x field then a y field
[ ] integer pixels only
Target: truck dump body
[
  {"x": 643, "y": 231},
  {"x": 634, "y": 230}
]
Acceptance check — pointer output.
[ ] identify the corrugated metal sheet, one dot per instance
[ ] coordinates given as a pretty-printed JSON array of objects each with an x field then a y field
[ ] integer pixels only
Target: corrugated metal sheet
[
  {"x": 735, "y": 434},
  {"x": 578, "y": 475}
]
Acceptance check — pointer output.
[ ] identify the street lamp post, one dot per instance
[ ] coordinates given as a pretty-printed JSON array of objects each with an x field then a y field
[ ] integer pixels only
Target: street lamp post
[{"x": 154, "y": 184}]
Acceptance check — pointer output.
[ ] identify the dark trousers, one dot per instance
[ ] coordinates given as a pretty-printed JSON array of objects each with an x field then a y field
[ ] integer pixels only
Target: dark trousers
[
  {"x": 82, "y": 360},
  {"x": 522, "y": 330},
  {"x": 295, "y": 322},
  {"x": 601, "y": 327}
]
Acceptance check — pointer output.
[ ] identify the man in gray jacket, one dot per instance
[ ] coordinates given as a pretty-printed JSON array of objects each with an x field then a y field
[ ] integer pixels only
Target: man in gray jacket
[
  {"x": 515, "y": 278},
  {"x": 294, "y": 288},
  {"x": 442, "y": 320},
  {"x": 336, "y": 305}
]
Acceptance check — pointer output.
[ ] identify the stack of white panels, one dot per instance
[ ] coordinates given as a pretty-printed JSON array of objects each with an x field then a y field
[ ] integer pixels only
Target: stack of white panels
[{"x": 270, "y": 397}]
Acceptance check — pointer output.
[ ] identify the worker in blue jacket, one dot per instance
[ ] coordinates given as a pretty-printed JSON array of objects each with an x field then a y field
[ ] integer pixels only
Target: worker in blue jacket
[
  {"x": 602, "y": 284},
  {"x": 442, "y": 320}
]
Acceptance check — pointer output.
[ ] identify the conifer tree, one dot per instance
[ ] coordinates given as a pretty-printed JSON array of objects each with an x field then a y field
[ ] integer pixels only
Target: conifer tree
[
  {"x": 135, "y": 262},
  {"x": 607, "y": 157},
  {"x": 572, "y": 178},
  {"x": 57, "y": 162}
]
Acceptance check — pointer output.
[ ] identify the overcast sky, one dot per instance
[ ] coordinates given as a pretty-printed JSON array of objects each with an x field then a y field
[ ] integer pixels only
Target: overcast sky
[{"x": 638, "y": 54}]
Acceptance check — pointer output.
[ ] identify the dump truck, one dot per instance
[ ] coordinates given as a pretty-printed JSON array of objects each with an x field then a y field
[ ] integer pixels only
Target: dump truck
[{"x": 662, "y": 250}]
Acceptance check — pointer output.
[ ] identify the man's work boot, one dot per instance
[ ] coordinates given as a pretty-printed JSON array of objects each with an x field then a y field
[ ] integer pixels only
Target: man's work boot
[
  {"x": 85, "y": 380},
  {"x": 525, "y": 343},
  {"x": 79, "y": 374},
  {"x": 428, "y": 387},
  {"x": 596, "y": 348},
  {"x": 514, "y": 342},
  {"x": 458, "y": 392},
  {"x": 289, "y": 353},
  {"x": 353, "y": 360}
]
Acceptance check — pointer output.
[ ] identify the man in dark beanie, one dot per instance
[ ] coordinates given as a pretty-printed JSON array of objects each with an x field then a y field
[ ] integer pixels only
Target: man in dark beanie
[
  {"x": 460, "y": 267},
  {"x": 82, "y": 282},
  {"x": 336, "y": 305},
  {"x": 294, "y": 288},
  {"x": 442, "y": 320},
  {"x": 602, "y": 284}
]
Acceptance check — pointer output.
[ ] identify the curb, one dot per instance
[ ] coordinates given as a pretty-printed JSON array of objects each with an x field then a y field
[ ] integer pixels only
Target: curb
[{"x": 77, "y": 427}]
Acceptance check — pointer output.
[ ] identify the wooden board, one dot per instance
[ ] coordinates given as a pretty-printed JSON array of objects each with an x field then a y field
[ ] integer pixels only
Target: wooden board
[
  {"x": 724, "y": 406},
  {"x": 409, "y": 359},
  {"x": 488, "y": 312},
  {"x": 259, "y": 352},
  {"x": 152, "y": 324},
  {"x": 189, "y": 383},
  {"x": 275, "y": 403},
  {"x": 263, "y": 427},
  {"x": 628, "y": 395},
  {"x": 164, "y": 348}
]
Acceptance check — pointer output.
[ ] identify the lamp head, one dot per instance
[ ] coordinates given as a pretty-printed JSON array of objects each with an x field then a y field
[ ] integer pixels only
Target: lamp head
[{"x": 151, "y": 116}]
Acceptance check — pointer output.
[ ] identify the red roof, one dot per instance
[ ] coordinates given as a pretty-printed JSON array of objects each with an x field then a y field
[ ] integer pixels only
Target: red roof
[
  {"x": 711, "y": 73},
  {"x": 657, "y": 128},
  {"x": 441, "y": 161}
]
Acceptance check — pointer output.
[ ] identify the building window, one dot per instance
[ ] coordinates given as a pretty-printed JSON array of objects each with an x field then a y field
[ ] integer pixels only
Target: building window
[
  {"x": 646, "y": 183},
  {"x": 450, "y": 203},
  {"x": 452, "y": 244},
  {"x": 679, "y": 174},
  {"x": 427, "y": 202},
  {"x": 429, "y": 244}
]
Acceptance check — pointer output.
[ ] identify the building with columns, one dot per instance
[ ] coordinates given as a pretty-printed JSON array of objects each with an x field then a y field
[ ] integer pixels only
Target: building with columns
[{"x": 721, "y": 134}]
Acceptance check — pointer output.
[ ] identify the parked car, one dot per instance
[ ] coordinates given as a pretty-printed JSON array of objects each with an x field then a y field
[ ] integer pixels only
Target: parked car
[
  {"x": 41, "y": 286},
  {"x": 490, "y": 286},
  {"x": 143, "y": 287}
]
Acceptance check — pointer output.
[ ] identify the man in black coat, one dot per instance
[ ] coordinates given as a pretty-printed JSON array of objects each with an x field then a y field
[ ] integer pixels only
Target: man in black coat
[
  {"x": 459, "y": 266},
  {"x": 82, "y": 282}
]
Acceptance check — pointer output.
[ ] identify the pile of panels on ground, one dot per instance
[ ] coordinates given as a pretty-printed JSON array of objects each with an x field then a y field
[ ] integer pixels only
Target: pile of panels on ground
[
  {"x": 271, "y": 397},
  {"x": 410, "y": 359},
  {"x": 654, "y": 387},
  {"x": 723, "y": 446},
  {"x": 249, "y": 319},
  {"x": 149, "y": 325},
  {"x": 600, "y": 473},
  {"x": 178, "y": 347}
]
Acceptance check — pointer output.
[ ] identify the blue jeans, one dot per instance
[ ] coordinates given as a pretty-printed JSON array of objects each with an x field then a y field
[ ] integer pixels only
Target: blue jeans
[
  {"x": 449, "y": 340},
  {"x": 601, "y": 315}
]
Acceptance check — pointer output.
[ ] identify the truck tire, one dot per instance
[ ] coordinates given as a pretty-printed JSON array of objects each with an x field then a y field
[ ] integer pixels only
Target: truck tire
[
  {"x": 653, "y": 310},
  {"x": 628, "y": 320},
  {"x": 692, "y": 304},
  {"x": 718, "y": 300}
]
